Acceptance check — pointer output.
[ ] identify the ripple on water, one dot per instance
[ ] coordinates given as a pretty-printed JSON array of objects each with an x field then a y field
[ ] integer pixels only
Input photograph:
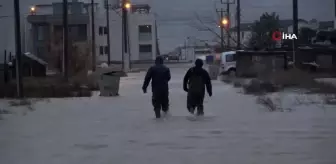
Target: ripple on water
[
  {"x": 154, "y": 144},
  {"x": 91, "y": 146},
  {"x": 195, "y": 137},
  {"x": 182, "y": 147}
]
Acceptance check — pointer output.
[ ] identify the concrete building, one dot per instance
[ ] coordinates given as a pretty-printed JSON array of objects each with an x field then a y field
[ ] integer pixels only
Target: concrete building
[
  {"x": 46, "y": 31},
  {"x": 142, "y": 30}
]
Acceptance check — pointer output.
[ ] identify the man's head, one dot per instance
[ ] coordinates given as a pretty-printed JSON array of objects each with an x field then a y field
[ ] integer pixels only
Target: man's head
[
  {"x": 159, "y": 60},
  {"x": 199, "y": 63}
]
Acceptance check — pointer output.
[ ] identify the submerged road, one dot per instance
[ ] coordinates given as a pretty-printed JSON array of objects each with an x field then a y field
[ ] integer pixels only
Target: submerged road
[{"x": 122, "y": 130}]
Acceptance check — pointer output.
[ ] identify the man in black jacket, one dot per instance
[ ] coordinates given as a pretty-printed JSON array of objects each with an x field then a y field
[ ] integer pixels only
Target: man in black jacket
[
  {"x": 160, "y": 76},
  {"x": 194, "y": 83}
]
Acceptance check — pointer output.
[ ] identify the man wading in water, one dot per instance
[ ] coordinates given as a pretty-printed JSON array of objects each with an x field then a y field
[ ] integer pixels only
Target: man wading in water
[
  {"x": 195, "y": 81},
  {"x": 159, "y": 74}
]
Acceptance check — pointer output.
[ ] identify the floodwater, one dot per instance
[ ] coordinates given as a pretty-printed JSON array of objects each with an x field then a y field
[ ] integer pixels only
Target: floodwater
[{"x": 122, "y": 130}]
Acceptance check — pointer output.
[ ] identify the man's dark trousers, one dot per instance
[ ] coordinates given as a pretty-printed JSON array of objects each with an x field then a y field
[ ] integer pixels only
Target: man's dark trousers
[
  {"x": 160, "y": 101},
  {"x": 195, "y": 100}
]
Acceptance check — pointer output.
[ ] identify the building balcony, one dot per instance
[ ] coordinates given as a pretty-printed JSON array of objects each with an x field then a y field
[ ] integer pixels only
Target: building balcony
[{"x": 58, "y": 19}]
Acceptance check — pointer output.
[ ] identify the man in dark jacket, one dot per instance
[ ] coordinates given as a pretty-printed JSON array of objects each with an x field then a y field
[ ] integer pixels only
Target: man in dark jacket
[
  {"x": 160, "y": 76},
  {"x": 195, "y": 81}
]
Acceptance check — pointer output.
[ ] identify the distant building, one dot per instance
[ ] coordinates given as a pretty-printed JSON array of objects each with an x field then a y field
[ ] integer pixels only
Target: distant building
[
  {"x": 46, "y": 30},
  {"x": 195, "y": 48},
  {"x": 142, "y": 33}
]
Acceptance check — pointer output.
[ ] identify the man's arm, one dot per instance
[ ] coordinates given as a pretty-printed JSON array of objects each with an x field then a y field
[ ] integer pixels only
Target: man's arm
[
  {"x": 208, "y": 82},
  {"x": 186, "y": 79},
  {"x": 148, "y": 78},
  {"x": 168, "y": 75}
]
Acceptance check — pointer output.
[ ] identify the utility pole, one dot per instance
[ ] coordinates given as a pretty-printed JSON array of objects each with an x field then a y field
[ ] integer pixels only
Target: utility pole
[
  {"x": 108, "y": 33},
  {"x": 221, "y": 11},
  {"x": 228, "y": 19},
  {"x": 222, "y": 30},
  {"x": 295, "y": 19},
  {"x": 65, "y": 40},
  {"x": 228, "y": 25},
  {"x": 93, "y": 37},
  {"x": 295, "y": 26},
  {"x": 238, "y": 24},
  {"x": 125, "y": 7},
  {"x": 334, "y": 16},
  {"x": 18, "y": 52}
]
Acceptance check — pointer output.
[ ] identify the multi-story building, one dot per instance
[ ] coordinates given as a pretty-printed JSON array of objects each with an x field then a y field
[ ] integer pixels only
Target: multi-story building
[
  {"x": 46, "y": 31},
  {"x": 142, "y": 34}
]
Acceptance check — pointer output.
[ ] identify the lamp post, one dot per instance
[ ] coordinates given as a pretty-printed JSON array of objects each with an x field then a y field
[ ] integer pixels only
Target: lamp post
[
  {"x": 238, "y": 24},
  {"x": 107, "y": 12},
  {"x": 93, "y": 37},
  {"x": 295, "y": 27},
  {"x": 224, "y": 24},
  {"x": 126, "y": 5},
  {"x": 65, "y": 39},
  {"x": 18, "y": 53}
]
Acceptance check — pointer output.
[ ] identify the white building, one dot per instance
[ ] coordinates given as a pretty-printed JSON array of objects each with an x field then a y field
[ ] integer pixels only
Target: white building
[
  {"x": 141, "y": 28},
  {"x": 142, "y": 34}
]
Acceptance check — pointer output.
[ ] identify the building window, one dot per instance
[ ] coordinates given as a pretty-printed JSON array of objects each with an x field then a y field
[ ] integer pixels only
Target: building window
[
  {"x": 78, "y": 32},
  {"x": 145, "y": 29},
  {"x": 145, "y": 48},
  {"x": 105, "y": 30},
  {"x": 106, "y": 50},
  {"x": 101, "y": 50},
  {"x": 82, "y": 32},
  {"x": 41, "y": 33},
  {"x": 101, "y": 30},
  {"x": 40, "y": 52}
]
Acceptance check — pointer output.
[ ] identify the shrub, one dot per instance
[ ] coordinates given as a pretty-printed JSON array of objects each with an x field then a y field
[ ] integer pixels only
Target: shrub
[
  {"x": 259, "y": 87},
  {"x": 293, "y": 78}
]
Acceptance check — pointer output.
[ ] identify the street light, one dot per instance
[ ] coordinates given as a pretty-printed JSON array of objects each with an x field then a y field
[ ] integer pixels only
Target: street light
[
  {"x": 33, "y": 10},
  {"x": 127, "y": 5},
  {"x": 18, "y": 51},
  {"x": 225, "y": 21}
]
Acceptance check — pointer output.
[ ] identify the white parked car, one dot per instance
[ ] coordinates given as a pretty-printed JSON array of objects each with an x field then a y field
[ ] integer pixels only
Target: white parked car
[{"x": 228, "y": 63}]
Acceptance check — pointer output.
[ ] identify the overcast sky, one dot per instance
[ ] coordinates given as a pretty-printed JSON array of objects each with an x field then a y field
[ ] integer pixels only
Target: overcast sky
[
  {"x": 173, "y": 15},
  {"x": 251, "y": 9}
]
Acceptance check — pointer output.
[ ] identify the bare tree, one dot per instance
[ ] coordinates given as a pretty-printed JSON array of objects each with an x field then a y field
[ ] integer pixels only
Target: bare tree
[
  {"x": 79, "y": 56},
  {"x": 210, "y": 24}
]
